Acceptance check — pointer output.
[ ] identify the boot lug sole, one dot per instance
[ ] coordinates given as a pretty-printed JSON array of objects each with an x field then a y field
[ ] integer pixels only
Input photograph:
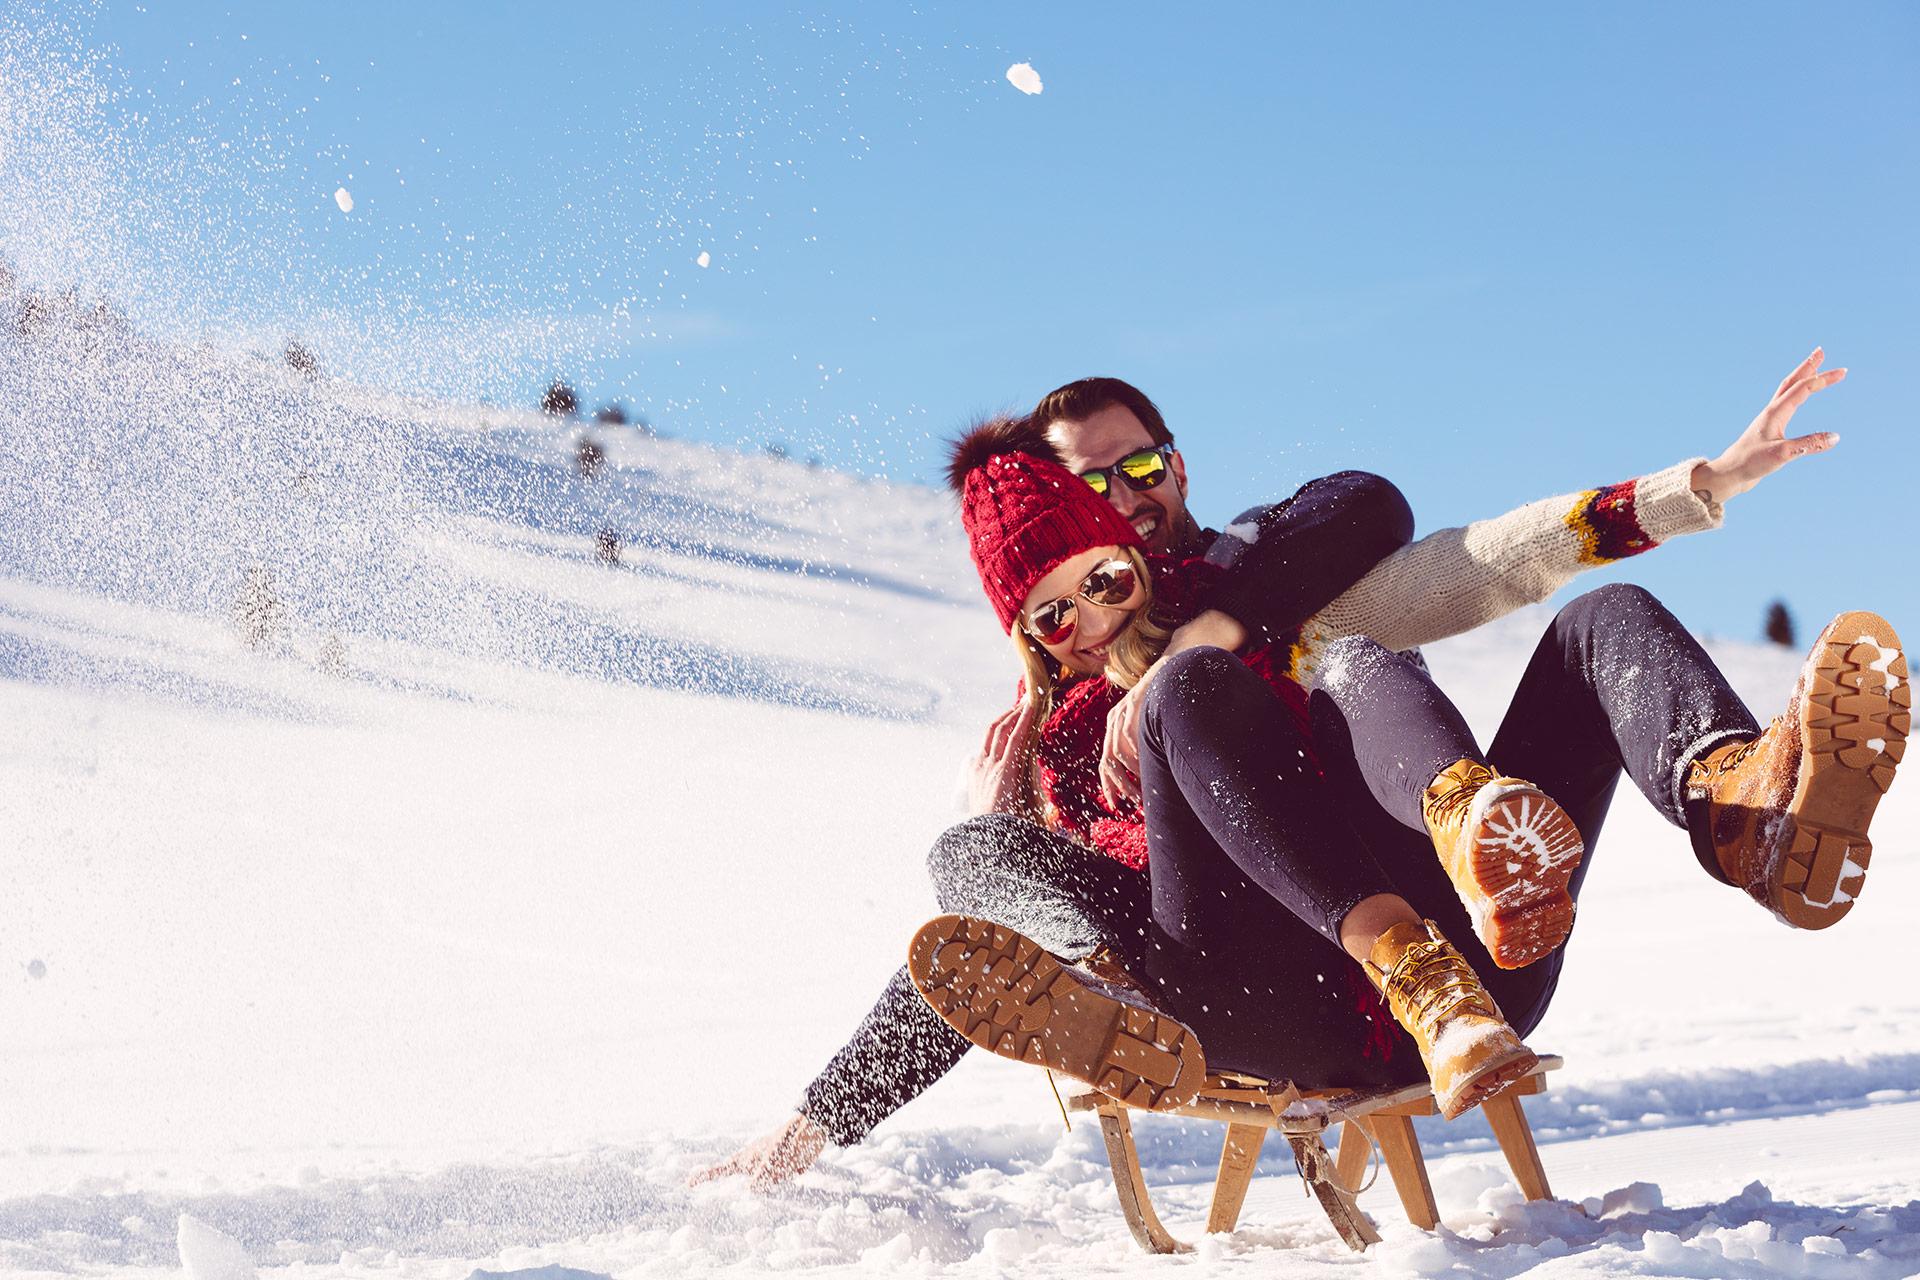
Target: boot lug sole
[
  {"x": 1853, "y": 734},
  {"x": 1006, "y": 994},
  {"x": 1525, "y": 851}
]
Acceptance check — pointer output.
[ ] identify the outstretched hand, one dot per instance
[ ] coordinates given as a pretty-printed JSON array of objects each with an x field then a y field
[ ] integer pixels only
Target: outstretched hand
[
  {"x": 1763, "y": 448},
  {"x": 786, "y": 1153}
]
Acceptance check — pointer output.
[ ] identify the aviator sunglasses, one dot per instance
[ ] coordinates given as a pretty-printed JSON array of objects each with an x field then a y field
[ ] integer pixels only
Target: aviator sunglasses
[
  {"x": 1111, "y": 583},
  {"x": 1142, "y": 470}
]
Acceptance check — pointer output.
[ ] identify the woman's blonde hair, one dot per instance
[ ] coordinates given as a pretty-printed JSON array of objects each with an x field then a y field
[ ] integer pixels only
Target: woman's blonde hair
[{"x": 1136, "y": 648}]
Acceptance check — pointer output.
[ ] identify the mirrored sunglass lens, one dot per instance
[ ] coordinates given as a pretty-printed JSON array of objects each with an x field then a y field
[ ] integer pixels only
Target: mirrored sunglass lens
[
  {"x": 1109, "y": 585},
  {"x": 1096, "y": 481},
  {"x": 1053, "y": 622},
  {"x": 1143, "y": 470}
]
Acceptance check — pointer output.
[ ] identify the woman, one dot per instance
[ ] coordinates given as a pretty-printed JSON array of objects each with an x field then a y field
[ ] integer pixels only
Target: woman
[{"x": 1572, "y": 716}]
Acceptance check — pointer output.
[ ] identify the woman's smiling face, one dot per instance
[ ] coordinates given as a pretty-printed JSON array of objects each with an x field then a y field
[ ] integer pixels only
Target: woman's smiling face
[{"x": 1084, "y": 650}]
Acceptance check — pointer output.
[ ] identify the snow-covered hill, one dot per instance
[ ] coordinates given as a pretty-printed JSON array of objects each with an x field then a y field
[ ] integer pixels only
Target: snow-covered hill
[{"x": 495, "y": 886}]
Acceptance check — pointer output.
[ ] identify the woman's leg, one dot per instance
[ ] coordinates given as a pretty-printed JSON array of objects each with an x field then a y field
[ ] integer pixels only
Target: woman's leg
[
  {"x": 1256, "y": 882},
  {"x": 1071, "y": 900},
  {"x": 1616, "y": 684}
]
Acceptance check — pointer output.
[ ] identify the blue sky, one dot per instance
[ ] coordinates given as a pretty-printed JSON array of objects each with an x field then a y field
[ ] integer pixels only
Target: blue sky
[{"x": 1493, "y": 252}]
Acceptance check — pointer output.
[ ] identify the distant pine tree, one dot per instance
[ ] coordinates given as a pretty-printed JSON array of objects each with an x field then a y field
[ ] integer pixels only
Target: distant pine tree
[
  {"x": 589, "y": 457},
  {"x": 300, "y": 359},
  {"x": 611, "y": 415},
  {"x": 606, "y": 546},
  {"x": 1779, "y": 624},
  {"x": 559, "y": 400},
  {"x": 258, "y": 610}
]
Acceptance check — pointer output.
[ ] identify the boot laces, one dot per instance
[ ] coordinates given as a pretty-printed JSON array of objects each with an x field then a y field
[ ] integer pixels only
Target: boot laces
[
  {"x": 1436, "y": 982},
  {"x": 1451, "y": 805},
  {"x": 1729, "y": 761}
]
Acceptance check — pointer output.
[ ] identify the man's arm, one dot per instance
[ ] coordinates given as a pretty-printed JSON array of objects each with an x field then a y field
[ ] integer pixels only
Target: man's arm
[
  {"x": 1288, "y": 561},
  {"x": 1283, "y": 563},
  {"x": 1457, "y": 579}
]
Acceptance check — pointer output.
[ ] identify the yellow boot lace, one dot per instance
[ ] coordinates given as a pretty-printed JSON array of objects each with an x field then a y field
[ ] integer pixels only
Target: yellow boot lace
[
  {"x": 1447, "y": 808},
  {"x": 1434, "y": 982}
]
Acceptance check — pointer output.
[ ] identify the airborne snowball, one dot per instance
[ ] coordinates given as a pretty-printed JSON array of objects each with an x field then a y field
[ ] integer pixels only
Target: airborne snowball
[
  {"x": 1023, "y": 77},
  {"x": 344, "y": 199},
  {"x": 704, "y": 258}
]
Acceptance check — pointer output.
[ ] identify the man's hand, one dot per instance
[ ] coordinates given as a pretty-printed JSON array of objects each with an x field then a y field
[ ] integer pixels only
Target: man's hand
[
  {"x": 1763, "y": 448},
  {"x": 1000, "y": 778},
  {"x": 1120, "y": 752},
  {"x": 786, "y": 1153}
]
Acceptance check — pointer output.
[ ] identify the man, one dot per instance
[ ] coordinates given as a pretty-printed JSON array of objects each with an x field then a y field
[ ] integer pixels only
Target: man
[{"x": 1107, "y": 432}]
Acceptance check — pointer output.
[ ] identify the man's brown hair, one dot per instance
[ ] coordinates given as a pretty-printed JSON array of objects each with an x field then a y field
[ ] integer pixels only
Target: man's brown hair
[{"x": 1080, "y": 400}]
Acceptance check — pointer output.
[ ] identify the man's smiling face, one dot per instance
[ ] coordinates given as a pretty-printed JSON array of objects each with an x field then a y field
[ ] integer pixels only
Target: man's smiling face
[{"x": 1102, "y": 438}]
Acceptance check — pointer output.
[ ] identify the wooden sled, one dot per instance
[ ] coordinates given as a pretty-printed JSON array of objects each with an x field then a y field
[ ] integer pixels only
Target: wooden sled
[{"x": 1250, "y": 1106}]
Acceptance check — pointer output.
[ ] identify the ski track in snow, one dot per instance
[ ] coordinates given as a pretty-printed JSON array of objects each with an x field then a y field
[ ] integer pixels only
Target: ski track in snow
[{"x": 498, "y": 887}]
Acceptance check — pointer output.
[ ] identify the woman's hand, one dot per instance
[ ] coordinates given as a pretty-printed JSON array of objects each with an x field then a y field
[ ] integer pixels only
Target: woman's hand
[
  {"x": 1000, "y": 778},
  {"x": 786, "y": 1153},
  {"x": 1763, "y": 448},
  {"x": 1120, "y": 751}
]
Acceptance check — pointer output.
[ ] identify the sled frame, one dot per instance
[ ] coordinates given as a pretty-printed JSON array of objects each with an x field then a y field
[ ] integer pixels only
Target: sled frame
[{"x": 1382, "y": 1117}]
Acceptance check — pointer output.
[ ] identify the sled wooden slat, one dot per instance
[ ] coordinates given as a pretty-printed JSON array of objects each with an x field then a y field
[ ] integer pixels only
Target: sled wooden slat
[
  {"x": 1370, "y": 1117},
  {"x": 1400, "y": 1152},
  {"x": 1239, "y": 1155}
]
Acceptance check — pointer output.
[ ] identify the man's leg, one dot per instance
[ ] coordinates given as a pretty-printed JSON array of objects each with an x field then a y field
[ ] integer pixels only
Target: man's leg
[
  {"x": 1398, "y": 744},
  {"x": 1618, "y": 685}
]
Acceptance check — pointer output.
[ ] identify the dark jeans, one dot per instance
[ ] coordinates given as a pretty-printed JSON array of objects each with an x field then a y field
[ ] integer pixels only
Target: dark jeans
[
  {"x": 1616, "y": 685},
  {"x": 1257, "y": 854}
]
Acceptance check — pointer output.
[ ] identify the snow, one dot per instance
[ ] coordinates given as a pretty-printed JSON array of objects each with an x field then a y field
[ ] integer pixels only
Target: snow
[
  {"x": 344, "y": 198},
  {"x": 454, "y": 924},
  {"x": 1023, "y": 77},
  {"x": 704, "y": 258},
  {"x": 207, "y": 1253}
]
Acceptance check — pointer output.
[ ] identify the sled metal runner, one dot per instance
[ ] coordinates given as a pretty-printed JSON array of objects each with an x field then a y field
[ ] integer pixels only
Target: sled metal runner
[{"x": 1250, "y": 1106}]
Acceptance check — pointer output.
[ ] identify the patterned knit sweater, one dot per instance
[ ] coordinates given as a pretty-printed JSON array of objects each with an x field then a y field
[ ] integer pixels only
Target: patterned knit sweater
[{"x": 1458, "y": 579}]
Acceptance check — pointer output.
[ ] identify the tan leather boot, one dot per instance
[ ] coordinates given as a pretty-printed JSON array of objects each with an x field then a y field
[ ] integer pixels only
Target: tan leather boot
[
  {"x": 1470, "y": 1052},
  {"x": 1510, "y": 851},
  {"x": 1004, "y": 992},
  {"x": 1785, "y": 815}
]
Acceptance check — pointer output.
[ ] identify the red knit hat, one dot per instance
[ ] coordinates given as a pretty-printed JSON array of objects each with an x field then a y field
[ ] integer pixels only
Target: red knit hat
[{"x": 1024, "y": 517}]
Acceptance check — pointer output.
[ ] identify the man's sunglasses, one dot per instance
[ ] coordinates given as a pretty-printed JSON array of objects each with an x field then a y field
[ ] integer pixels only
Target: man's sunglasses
[
  {"x": 1142, "y": 470},
  {"x": 1111, "y": 582}
]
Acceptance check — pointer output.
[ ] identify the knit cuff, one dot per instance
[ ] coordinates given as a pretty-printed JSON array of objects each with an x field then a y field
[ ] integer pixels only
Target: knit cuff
[{"x": 1666, "y": 505}]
